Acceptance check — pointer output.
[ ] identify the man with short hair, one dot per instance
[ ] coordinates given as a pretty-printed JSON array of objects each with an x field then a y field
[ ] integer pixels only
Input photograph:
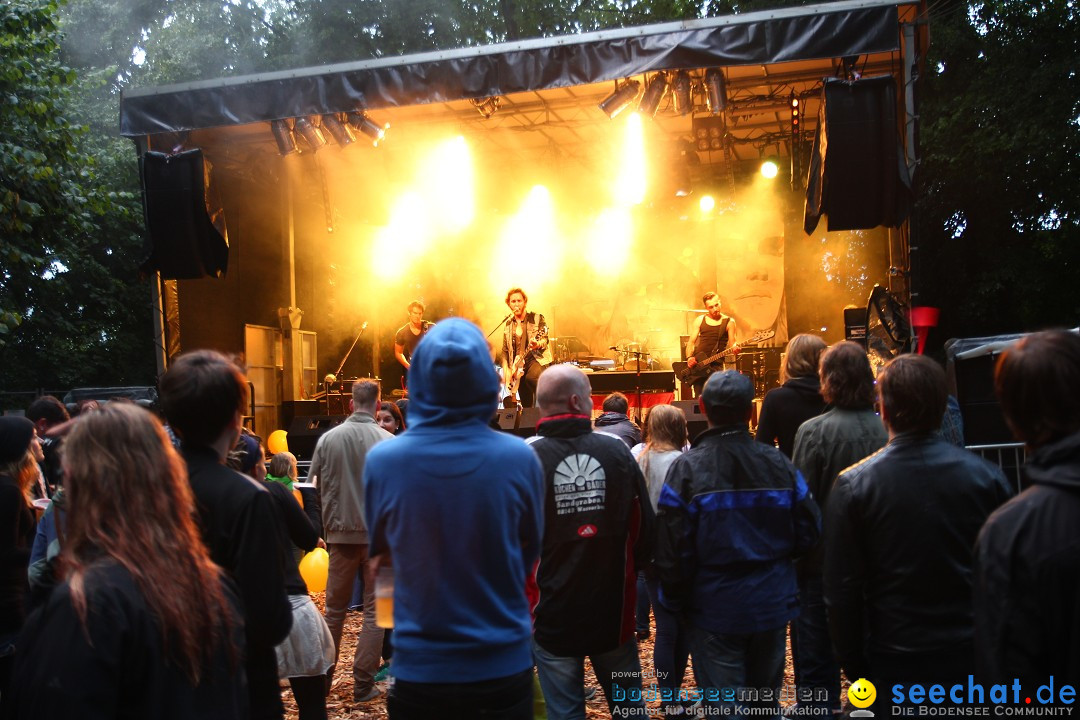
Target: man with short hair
[
  {"x": 616, "y": 422},
  {"x": 711, "y": 334},
  {"x": 597, "y": 533},
  {"x": 204, "y": 396},
  {"x": 457, "y": 508},
  {"x": 337, "y": 466},
  {"x": 824, "y": 446},
  {"x": 733, "y": 515},
  {"x": 900, "y": 529},
  {"x": 408, "y": 335}
]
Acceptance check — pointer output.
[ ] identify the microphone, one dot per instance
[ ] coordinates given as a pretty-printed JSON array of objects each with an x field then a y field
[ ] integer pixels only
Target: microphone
[{"x": 614, "y": 347}]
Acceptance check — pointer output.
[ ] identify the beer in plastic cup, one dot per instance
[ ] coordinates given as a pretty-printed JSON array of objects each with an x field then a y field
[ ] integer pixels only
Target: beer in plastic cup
[{"x": 384, "y": 597}]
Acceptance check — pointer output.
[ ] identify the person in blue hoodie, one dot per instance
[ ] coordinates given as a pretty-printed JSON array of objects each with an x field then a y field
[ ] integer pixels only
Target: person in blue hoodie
[{"x": 457, "y": 508}]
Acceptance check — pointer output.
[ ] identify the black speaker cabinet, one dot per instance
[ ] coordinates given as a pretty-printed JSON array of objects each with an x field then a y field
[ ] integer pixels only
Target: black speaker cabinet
[
  {"x": 507, "y": 418},
  {"x": 696, "y": 422},
  {"x": 526, "y": 426},
  {"x": 305, "y": 431}
]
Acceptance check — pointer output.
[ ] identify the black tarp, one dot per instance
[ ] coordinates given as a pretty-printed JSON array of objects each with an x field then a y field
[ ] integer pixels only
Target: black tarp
[{"x": 785, "y": 35}]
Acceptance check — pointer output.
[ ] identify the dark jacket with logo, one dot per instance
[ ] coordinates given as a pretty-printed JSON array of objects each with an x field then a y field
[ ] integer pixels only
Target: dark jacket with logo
[
  {"x": 1027, "y": 575},
  {"x": 900, "y": 531},
  {"x": 597, "y": 526},
  {"x": 733, "y": 516}
]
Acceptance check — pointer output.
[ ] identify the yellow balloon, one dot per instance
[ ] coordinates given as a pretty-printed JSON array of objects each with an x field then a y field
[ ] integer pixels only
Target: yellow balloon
[
  {"x": 314, "y": 568},
  {"x": 278, "y": 442}
]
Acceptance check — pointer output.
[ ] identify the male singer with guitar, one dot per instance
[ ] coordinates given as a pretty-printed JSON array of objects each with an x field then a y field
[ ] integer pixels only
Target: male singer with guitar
[
  {"x": 525, "y": 338},
  {"x": 712, "y": 333}
]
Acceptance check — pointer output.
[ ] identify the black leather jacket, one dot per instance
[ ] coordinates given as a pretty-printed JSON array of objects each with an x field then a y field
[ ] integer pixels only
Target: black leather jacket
[
  {"x": 900, "y": 530},
  {"x": 1027, "y": 570}
]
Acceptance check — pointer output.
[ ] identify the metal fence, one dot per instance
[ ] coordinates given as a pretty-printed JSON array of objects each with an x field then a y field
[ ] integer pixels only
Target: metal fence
[{"x": 1009, "y": 457}]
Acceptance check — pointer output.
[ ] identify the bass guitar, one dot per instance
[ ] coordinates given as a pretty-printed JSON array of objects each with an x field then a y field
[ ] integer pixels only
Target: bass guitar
[{"x": 704, "y": 366}]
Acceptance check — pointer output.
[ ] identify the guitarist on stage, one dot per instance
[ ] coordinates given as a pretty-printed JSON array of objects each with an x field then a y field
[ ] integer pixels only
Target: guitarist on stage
[
  {"x": 714, "y": 332},
  {"x": 525, "y": 338},
  {"x": 408, "y": 335}
]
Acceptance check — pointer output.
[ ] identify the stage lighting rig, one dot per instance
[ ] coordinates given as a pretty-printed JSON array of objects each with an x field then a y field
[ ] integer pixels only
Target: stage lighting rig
[
  {"x": 338, "y": 130},
  {"x": 618, "y": 101},
  {"x": 681, "y": 93},
  {"x": 654, "y": 93},
  {"x": 362, "y": 122},
  {"x": 286, "y": 145},
  {"x": 311, "y": 133},
  {"x": 715, "y": 90}
]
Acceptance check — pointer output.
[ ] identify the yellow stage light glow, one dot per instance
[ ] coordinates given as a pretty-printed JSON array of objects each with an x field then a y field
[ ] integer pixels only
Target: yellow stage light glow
[
  {"x": 447, "y": 183},
  {"x": 528, "y": 251},
  {"x": 403, "y": 239},
  {"x": 630, "y": 182},
  {"x": 608, "y": 247},
  {"x": 769, "y": 169},
  {"x": 706, "y": 203}
]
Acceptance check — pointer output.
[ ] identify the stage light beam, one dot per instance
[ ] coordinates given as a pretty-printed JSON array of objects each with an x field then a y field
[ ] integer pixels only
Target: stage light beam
[
  {"x": 770, "y": 168},
  {"x": 706, "y": 203},
  {"x": 607, "y": 250},
  {"x": 631, "y": 180},
  {"x": 448, "y": 183}
]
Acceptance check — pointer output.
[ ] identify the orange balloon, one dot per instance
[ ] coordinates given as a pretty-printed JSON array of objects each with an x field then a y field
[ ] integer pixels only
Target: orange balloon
[
  {"x": 278, "y": 442},
  {"x": 314, "y": 568}
]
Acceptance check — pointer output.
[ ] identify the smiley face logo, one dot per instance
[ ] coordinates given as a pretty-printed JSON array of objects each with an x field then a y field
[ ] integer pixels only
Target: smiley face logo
[{"x": 862, "y": 693}]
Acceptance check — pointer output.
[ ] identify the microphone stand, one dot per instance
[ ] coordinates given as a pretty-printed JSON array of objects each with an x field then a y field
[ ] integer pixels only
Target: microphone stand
[
  {"x": 344, "y": 360},
  {"x": 508, "y": 316},
  {"x": 637, "y": 376}
]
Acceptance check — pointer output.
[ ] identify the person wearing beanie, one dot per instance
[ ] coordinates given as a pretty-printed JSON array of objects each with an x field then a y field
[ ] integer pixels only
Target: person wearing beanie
[
  {"x": 18, "y": 472},
  {"x": 457, "y": 508},
  {"x": 732, "y": 517}
]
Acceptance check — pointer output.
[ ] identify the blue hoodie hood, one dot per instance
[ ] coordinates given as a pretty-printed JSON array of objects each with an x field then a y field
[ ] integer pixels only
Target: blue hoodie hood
[{"x": 452, "y": 378}]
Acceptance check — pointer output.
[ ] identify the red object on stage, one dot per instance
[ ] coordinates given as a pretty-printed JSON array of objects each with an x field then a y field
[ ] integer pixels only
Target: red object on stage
[
  {"x": 922, "y": 319},
  {"x": 647, "y": 399}
]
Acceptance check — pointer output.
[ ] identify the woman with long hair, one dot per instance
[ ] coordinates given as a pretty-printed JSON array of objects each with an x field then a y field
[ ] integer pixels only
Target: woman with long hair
[
  {"x": 667, "y": 435},
  {"x": 18, "y": 472},
  {"x": 143, "y": 624}
]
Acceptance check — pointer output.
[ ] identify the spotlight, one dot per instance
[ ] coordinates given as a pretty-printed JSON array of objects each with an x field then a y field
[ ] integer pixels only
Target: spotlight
[
  {"x": 654, "y": 93},
  {"x": 341, "y": 134},
  {"x": 617, "y": 101},
  {"x": 311, "y": 134},
  {"x": 369, "y": 127},
  {"x": 715, "y": 90},
  {"x": 680, "y": 93},
  {"x": 283, "y": 137},
  {"x": 770, "y": 167},
  {"x": 706, "y": 203},
  {"x": 487, "y": 106}
]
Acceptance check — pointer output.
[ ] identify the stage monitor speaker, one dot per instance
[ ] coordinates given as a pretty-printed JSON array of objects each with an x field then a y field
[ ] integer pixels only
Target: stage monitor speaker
[
  {"x": 696, "y": 422},
  {"x": 305, "y": 431},
  {"x": 182, "y": 240},
  {"x": 855, "y": 325},
  {"x": 526, "y": 426},
  {"x": 507, "y": 418}
]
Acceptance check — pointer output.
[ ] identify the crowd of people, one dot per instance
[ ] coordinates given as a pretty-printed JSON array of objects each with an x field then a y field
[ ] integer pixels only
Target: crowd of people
[{"x": 162, "y": 578}]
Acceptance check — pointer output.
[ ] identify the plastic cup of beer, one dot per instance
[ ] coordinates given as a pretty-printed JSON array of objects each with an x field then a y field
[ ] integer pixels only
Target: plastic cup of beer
[{"x": 384, "y": 597}]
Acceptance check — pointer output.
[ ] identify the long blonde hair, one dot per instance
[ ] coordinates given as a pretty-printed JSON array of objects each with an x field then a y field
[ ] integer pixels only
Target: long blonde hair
[{"x": 666, "y": 430}]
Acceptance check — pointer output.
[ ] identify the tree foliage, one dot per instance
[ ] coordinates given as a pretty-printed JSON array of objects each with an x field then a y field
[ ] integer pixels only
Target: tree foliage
[{"x": 61, "y": 307}]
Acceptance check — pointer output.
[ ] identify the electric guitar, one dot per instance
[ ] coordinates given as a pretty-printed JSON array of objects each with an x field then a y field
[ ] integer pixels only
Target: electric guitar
[
  {"x": 704, "y": 366},
  {"x": 517, "y": 368}
]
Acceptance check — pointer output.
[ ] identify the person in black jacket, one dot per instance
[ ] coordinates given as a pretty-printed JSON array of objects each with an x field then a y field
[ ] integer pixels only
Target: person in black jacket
[
  {"x": 900, "y": 529},
  {"x": 204, "y": 396},
  {"x": 615, "y": 421},
  {"x": 1027, "y": 560},
  {"x": 597, "y": 532},
  {"x": 787, "y": 407},
  {"x": 144, "y": 624}
]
